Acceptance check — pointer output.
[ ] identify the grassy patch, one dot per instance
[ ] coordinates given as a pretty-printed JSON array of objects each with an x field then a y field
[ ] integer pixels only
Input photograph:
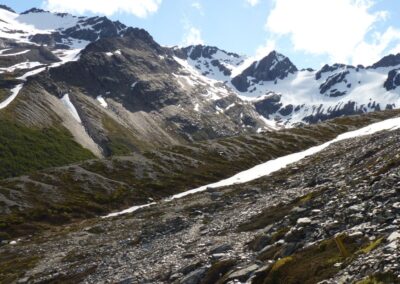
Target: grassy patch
[
  {"x": 13, "y": 267},
  {"x": 25, "y": 149},
  {"x": 371, "y": 246},
  {"x": 218, "y": 270},
  {"x": 380, "y": 278},
  {"x": 121, "y": 140},
  {"x": 311, "y": 265}
]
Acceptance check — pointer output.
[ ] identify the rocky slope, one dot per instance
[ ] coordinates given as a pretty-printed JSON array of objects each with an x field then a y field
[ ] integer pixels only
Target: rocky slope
[
  {"x": 97, "y": 187},
  {"x": 330, "y": 218}
]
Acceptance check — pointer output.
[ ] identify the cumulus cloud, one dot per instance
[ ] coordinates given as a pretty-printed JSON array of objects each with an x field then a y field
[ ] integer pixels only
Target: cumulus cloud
[
  {"x": 197, "y": 5},
  {"x": 265, "y": 49},
  {"x": 336, "y": 28},
  {"x": 139, "y": 8},
  {"x": 192, "y": 36},
  {"x": 253, "y": 2}
]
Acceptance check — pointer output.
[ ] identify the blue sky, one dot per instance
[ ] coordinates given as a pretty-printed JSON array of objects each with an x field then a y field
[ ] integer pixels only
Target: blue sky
[{"x": 309, "y": 32}]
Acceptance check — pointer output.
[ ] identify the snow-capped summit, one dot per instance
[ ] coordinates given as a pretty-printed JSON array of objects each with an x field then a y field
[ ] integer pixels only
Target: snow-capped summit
[
  {"x": 4, "y": 7},
  {"x": 388, "y": 61},
  {"x": 211, "y": 61},
  {"x": 272, "y": 67}
]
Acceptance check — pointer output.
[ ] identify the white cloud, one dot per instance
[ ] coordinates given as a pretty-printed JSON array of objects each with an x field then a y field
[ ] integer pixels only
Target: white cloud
[
  {"x": 139, "y": 8},
  {"x": 261, "y": 52},
  {"x": 368, "y": 53},
  {"x": 253, "y": 2},
  {"x": 336, "y": 28},
  {"x": 265, "y": 49},
  {"x": 197, "y": 5},
  {"x": 192, "y": 36}
]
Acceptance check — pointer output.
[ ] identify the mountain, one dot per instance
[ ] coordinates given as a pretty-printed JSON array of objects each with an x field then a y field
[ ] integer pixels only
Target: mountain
[
  {"x": 111, "y": 88},
  {"x": 211, "y": 62},
  {"x": 124, "y": 161},
  {"x": 271, "y": 68},
  {"x": 287, "y": 96}
]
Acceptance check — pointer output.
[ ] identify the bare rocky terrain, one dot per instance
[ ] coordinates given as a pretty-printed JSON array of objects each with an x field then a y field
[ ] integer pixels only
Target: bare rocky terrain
[{"x": 330, "y": 218}]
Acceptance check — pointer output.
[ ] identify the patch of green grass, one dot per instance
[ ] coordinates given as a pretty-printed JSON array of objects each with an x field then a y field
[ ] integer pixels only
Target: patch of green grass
[
  {"x": 312, "y": 264},
  {"x": 26, "y": 149},
  {"x": 380, "y": 278},
  {"x": 371, "y": 246},
  {"x": 121, "y": 140},
  {"x": 217, "y": 271},
  {"x": 13, "y": 267}
]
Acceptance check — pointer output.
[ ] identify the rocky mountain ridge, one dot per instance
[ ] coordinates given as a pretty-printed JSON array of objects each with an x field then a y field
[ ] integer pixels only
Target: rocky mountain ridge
[
  {"x": 117, "y": 89},
  {"x": 287, "y": 96}
]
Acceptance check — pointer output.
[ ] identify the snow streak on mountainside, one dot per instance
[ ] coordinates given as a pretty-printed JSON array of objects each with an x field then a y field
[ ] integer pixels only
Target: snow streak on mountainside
[{"x": 275, "y": 165}]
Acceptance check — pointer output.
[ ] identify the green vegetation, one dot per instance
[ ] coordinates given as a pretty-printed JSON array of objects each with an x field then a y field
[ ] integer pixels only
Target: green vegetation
[
  {"x": 370, "y": 247},
  {"x": 13, "y": 267},
  {"x": 121, "y": 140},
  {"x": 341, "y": 247},
  {"x": 312, "y": 264},
  {"x": 380, "y": 278},
  {"x": 217, "y": 270},
  {"x": 25, "y": 149}
]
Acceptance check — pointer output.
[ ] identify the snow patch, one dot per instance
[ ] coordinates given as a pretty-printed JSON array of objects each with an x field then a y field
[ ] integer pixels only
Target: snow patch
[
  {"x": 304, "y": 220},
  {"x": 129, "y": 210},
  {"x": 14, "y": 94},
  {"x": 71, "y": 108},
  {"x": 15, "y": 54},
  {"x": 102, "y": 101},
  {"x": 21, "y": 66}
]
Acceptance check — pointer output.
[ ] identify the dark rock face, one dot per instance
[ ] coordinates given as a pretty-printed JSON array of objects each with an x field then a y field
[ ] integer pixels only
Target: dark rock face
[
  {"x": 98, "y": 73},
  {"x": 270, "y": 68},
  {"x": 269, "y": 105},
  {"x": 221, "y": 67},
  {"x": 101, "y": 27},
  {"x": 37, "y": 53},
  {"x": 207, "y": 57},
  {"x": 195, "y": 52},
  {"x": 331, "y": 68},
  {"x": 93, "y": 29},
  {"x": 33, "y": 10},
  {"x": 393, "y": 80},
  {"x": 350, "y": 108},
  {"x": 4, "y": 7},
  {"x": 332, "y": 81},
  {"x": 387, "y": 61},
  {"x": 287, "y": 110}
]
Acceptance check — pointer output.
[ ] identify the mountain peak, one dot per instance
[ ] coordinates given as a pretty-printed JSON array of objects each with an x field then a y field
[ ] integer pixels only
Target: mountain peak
[
  {"x": 34, "y": 10},
  {"x": 4, "y": 7},
  {"x": 387, "y": 61},
  {"x": 195, "y": 52},
  {"x": 270, "y": 68}
]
